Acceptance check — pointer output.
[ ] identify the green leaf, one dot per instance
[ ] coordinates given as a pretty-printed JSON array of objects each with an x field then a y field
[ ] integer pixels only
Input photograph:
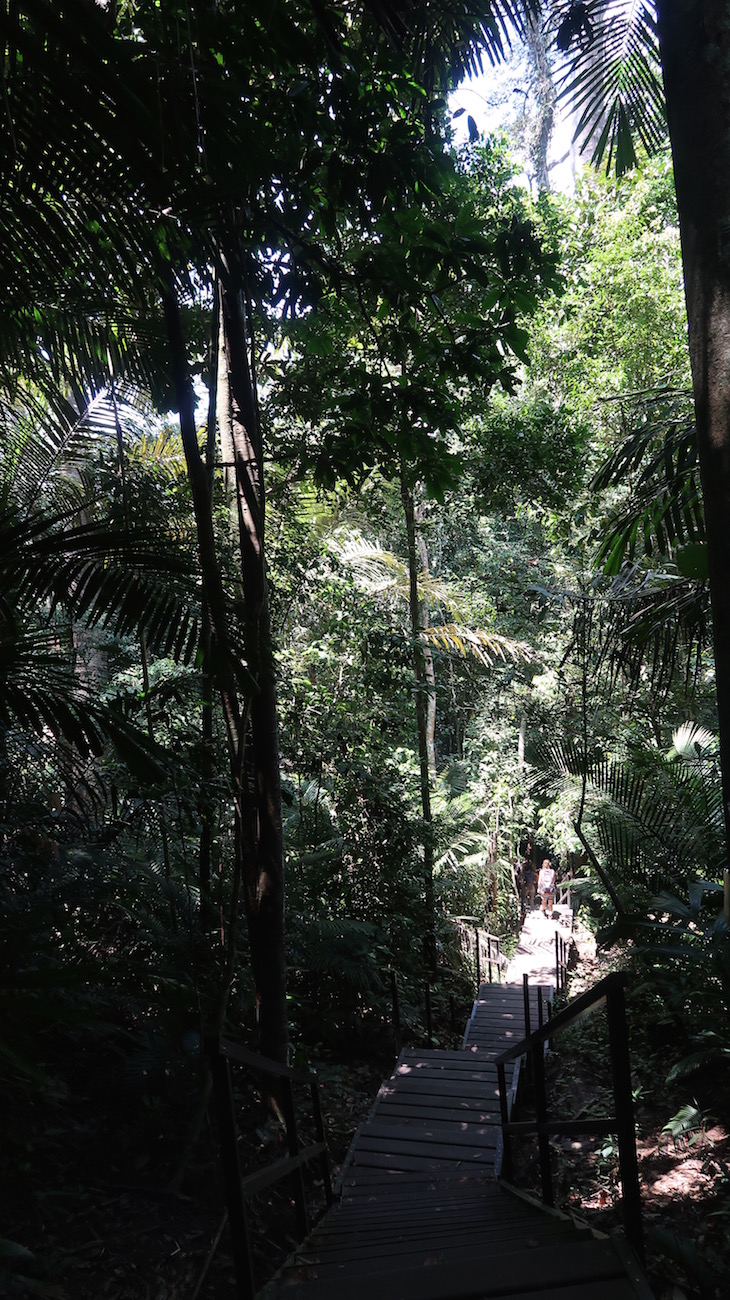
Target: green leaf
[{"x": 691, "y": 561}]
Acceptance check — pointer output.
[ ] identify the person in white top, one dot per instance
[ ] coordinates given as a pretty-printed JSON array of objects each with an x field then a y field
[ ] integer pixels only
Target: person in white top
[{"x": 546, "y": 887}]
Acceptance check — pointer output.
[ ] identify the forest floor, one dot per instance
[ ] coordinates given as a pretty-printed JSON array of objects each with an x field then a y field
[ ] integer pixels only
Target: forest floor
[{"x": 89, "y": 1195}]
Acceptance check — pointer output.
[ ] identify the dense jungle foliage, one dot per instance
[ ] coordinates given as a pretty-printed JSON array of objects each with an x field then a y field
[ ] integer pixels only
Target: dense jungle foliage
[{"x": 483, "y": 561}]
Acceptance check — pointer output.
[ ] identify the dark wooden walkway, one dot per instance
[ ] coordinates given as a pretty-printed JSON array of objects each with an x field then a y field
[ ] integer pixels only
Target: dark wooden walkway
[{"x": 422, "y": 1216}]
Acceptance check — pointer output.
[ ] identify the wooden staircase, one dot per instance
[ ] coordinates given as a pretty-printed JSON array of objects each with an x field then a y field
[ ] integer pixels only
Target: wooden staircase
[{"x": 421, "y": 1215}]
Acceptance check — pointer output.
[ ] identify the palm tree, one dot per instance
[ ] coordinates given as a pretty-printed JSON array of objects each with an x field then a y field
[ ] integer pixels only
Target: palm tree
[
  {"x": 617, "y": 52},
  {"x": 66, "y": 568}
]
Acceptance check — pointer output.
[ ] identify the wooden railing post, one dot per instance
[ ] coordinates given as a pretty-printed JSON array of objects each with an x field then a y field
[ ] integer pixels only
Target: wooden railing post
[
  {"x": 543, "y": 1141},
  {"x": 429, "y": 1022},
  {"x": 479, "y": 965},
  {"x": 292, "y": 1137},
  {"x": 397, "y": 1035},
  {"x": 528, "y": 1027},
  {"x": 237, "y": 1218},
  {"x": 504, "y": 1116},
  {"x": 618, "y": 1039},
  {"x": 324, "y": 1163}
]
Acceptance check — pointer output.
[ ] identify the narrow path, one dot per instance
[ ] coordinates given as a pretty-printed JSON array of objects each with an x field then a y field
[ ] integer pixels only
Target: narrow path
[
  {"x": 421, "y": 1215},
  {"x": 535, "y": 952}
]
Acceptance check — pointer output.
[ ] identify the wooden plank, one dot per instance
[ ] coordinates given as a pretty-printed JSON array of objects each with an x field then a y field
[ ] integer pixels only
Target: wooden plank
[
  {"x": 422, "y": 1106},
  {"x": 416, "y": 1249},
  {"x": 395, "y": 1110},
  {"x": 428, "y": 1105},
  {"x": 531, "y": 1271},
  {"x": 445, "y": 1074},
  {"x": 462, "y": 1079},
  {"x": 441, "y": 1218},
  {"x": 454, "y": 1055},
  {"x": 407, "y": 1178},
  {"x": 429, "y": 1163},
  {"x": 458, "y": 1063},
  {"x": 485, "y": 1065},
  {"x": 355, "y": 1220},
  {"x": 467, "y": 1193},
  {"x": 463, "y": 1096},
  {"x": 449, "y": 1135},
  {"x": 445, "y": 1088},
  {"x": 427, "y": 1149},
  {"x": 463, "y": 1248}
]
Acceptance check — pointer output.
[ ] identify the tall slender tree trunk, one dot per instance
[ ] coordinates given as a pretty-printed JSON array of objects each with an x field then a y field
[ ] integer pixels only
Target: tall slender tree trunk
[
  {"x": 262, "y": 839},
  {"x": 207, "y": 815},
  {"x": 695, "y": 50},
  {"x": 428, "y": 668},
  {"x": 217, "y": 642},
  {"x": 253, "y": 754},
  {"x": 422, "y": 690},
  {"x": 543, "y": 91},
  {"x": 252, "y": 735},
  {"x": 213, "y": 594}
]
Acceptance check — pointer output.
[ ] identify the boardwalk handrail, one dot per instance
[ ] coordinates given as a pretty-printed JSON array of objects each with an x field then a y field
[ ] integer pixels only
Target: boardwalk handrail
[
  {"x": 562, "y": 955},
  {"x": 610, "y": 991},
  {"x": 482, "y": 948},
  {"x": 222, "y": 1053}
]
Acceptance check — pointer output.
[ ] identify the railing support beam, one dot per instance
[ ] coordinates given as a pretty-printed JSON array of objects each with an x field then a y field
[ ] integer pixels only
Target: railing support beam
[
  {"x": 543, "y": 1141},
  {"x": 618, "y": 1038},
  {"x": 237, "y": 1217}
]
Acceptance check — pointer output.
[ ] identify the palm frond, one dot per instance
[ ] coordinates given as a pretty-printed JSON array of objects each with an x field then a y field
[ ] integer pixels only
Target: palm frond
[
  {"x": 486, "y": 647},
  {"x": 664, "y": 513},
  {"x": 657, "y": 817},
  {"x": 381, "y": 572},
  {"x": 651, "y": 623},
  {"x": 467, "y": 849},
  {"x": 612, "y": 78},
  {"x": 41, "y": 693},
  {"x": 692, "y": 742},
  {"x": 451, "y": 40}
]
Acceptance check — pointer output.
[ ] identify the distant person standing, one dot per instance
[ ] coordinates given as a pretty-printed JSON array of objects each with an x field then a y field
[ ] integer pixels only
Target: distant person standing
[
  {"x": 527, "y": 880},
  {"x": 546, "y": 887}
]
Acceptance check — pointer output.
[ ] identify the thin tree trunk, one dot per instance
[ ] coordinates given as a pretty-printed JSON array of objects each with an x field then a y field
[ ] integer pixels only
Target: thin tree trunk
[
  {"x": 428, "y": 669},
  {"x": 262, "y": 839},
  {"x": 695, "y": 49},
  {"x": 543, "y": 90},
  {"x": 213, "y": 594},
  {"x": 214, "y": 609},
  {"x": 419, "y": 671},
  {"x": 207, "y": 815}
]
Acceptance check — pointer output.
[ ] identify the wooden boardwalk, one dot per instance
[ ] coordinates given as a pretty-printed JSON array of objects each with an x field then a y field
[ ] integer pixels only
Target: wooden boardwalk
[{"x": 422, "y": 1216}]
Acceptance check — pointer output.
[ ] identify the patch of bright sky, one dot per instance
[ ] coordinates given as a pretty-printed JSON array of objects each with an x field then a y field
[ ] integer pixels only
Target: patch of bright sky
[{"x": 496, "y": 99}]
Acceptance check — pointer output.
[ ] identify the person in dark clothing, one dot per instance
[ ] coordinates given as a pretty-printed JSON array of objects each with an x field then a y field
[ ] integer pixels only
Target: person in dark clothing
[{"x": 527, "y": 881}]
